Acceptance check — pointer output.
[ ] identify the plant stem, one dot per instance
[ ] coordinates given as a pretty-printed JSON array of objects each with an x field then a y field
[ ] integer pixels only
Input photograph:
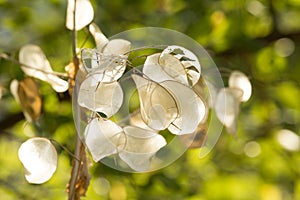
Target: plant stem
[
  {"x": 79, "y": 180},
  {"x": 64, "y": 148},
  {"x": 80, "y": 177}
]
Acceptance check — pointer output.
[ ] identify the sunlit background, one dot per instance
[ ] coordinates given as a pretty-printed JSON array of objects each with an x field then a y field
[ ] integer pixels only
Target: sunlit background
[{"x": 259, "y": 38}]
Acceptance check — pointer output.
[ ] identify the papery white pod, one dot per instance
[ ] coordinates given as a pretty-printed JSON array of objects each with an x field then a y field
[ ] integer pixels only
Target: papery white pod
[
  {"x": 100, "y": 39},
  {"x": 58, "y": 84},
  {"x": 111, "y": 66},
  {"x": 91, "y": 59},
  {"x": 161, "y": 68},
  {"x": 39, "y": 158},
  {"x": 189, "y": 61},
  {"x": 98, "y": 96},
  {"x": 157, "y": 105},
  {"x": 84, "y": 14},
  {"x": 174, "y": 67},
  {"x": 212, "y": 93},
  {"x": 191, "y": 108},
  {"x": 137, "y": 120},
  {"x": 239, "y": 80},
  {"x": 141, "y": 146},
  {"x": 227, "y": 107},
  {"x": 36, "y": 65},
  {"x": 103, "y": 138},
  {"x": 288, "y": 139},
  {"x": 117, "y": 47},
  {"x": 14, "y": 85},
  {"x": 109, "y": 58},
  {"x": 153, "y": 70}
]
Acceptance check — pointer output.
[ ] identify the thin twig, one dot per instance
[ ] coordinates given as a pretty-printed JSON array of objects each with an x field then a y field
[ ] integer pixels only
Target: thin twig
[
  {"x": 138, "y": 57},
  {"x": 74, "y": 32},
  {"x": 85, "y": 40},
  {"x": 6, "y": 57},
  {"x": 146, "y": 47},
  {"x": 75, "y": 170},
  {"x": 65, "y": 148}
]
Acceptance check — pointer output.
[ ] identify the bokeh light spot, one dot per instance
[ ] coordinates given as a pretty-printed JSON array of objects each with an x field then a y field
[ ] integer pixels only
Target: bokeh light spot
[
  {"x": 252, "y": 149},
  {"x": 284, "y": 47}
]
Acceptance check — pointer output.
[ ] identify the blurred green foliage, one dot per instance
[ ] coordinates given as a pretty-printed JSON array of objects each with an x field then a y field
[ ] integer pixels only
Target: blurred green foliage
[{"x": 239, "y": 34}]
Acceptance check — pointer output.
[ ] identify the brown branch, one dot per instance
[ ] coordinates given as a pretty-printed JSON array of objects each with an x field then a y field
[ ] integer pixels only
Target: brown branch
[
  {"x": 11, "y": 120},
  {"x": 262, "y": 41},
  {"x": 273, "y": 14},
  {"x": 80, "y": 177},
  {"x": 277, "y": 35}
]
